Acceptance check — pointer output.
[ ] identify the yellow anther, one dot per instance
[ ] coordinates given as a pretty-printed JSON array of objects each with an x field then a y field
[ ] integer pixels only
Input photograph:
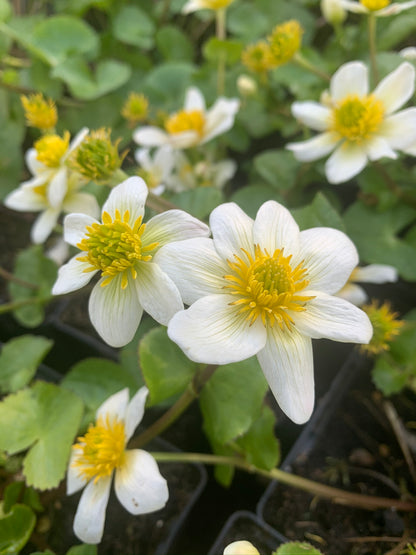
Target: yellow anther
[{"x": 357, "y": 118}]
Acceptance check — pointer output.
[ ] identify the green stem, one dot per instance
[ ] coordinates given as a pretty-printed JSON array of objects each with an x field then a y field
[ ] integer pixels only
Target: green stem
[
  {"x": 306, "y": 64},
  {"x": 10, "y": 277},
  {"x": 336, "y": 495},
  {"x": 372, "y": 46},
  {"x": 171, "y": 415},
  {"x": 8, "y": 307},
  {"x": 221, "y": 35}
]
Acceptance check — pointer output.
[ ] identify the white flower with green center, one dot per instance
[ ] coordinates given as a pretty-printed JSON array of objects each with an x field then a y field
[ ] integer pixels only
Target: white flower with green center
[
  {"x": 53, "y": 189},
  {"x": 195, "y": 5},
  {"x": 356, "y": 125},
  {"x": 264, "y": 288},
  {"x": 192, "y": 126},
  {"x": 100, "y": 454},
  {"x": 373, "y": 273},
  {"x": 122, "y": 248},
  {"x": 380, "y": 8}
]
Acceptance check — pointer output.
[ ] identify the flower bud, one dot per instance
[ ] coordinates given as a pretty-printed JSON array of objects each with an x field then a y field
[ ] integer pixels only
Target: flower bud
[
  {"x": 39, "y": 112},
  {"x": 333, "y": 11},
  {"x": 246, "y": 85},
  {"x": 285, "y": 41}
]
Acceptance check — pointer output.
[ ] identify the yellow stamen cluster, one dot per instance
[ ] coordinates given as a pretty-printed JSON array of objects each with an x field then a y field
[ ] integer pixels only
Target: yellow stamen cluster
[
  {"x": 39, "y": 111},
  {"x": 186, "y": 120},
  {"x": 135, "y": 108},
  {"x": 356, "y": 118},
  {"x": 97, "y": 158},
  {"x": 51, "y": 148},
  {"x": 114, "y": 247},
  {"x": 385, "y": 324},
  {"x": 285, "y": 41},
  {"x": 266, "y": 286},
  {"x": 101, "y": 449},
  {"x": 258, "y": 57},
  {"x": 374, "y": 5}
]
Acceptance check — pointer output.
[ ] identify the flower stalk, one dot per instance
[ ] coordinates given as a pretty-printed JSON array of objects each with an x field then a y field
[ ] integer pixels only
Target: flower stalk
[
  {"x": 336, "y": 495},
  {"x": 372, "y": 46}
]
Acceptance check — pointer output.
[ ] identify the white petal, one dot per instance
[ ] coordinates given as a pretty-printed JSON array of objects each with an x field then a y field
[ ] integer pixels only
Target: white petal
[
  {"x": 90, "y": 516},
  {"x": 353, "y": 6},
  {"x": 232, "y": 230},
  {"x": 71, "y": 276},
  {"x": 378, "y": 147},
  {"x": 77, "y": 140},
  {"x": 397, "y": 87},
  {"x": 314, "y": 148},
  {"x": 212, "y": 332},
  {"x": 191, "y": 6},
  {"x": 115, "y": 407},
  {"x": 143, "y": 158},
  {"x": 150, "y": 136},
  {"x": 333, "y": 318},
  {"x": 395, "y": 8},
  {"x": 350, "y": 78},
  {"x": 185, "y": 139},
  {"x": 312, "y": 114},
  {"x": 115, "y": 312},
  {"x": 139, "y": 486},
  {"x": 135, "y": 411},
  {"x": 24, "y": 199},
  {"x": 129, "y": 196},
  {"x": 353, "y": 294},
  {"x": 399, "y": 130},
  {"x": 157, "y": 293},
  {"x": 240, "y": 547},
  {"x": 83, "y": 203},
  {"x": 346, "y": 162},
  {"x": 32, "y": 162},
  {"x": 74, "y": 481},
  {"x": 287, "y": 364},
  {"x": 220, "y": 118},
  {"x": 194, "y": 266},
  {"x": 194, "y": 100},
  {"x": 376, "y": 273},
  {"x": 44, "y": 225},
  {"x": 173, "y": 225},
  {"x": 329, "y": 256},
  {"x": 274, "y": 228},
  {"x": 75, "y": 227},
  {"x": 164, "y": 159},
  {"x": 58, "y": 188}
]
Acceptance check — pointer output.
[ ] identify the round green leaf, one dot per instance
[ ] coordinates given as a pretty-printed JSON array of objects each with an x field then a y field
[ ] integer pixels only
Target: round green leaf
[
  {"x": 15, "y": 529},
  {"x": 133, "y": 26},
  {"x": 173, "y": 44}
]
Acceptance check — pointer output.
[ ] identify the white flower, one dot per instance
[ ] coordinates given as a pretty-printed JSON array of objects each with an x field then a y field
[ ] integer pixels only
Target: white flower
[
  {"x": 202, "y": 174},
  {"x": 122, "y": 248},
  {"x": 333, "y": 11},
  {"x": 242, "y": 547},
  {"x": 102, "y": 452},
  {"x": 373, "y": 273},
  {"x": 264, "y": 288},
  {"x": 380, "y": 8},
  {"x": 156, "y": 170},
  {"x": 195, "y": 5},
  {"x": 194, "y": 125},
  {"x": 408, "y": 53},
  {"x": 53, "y": 188},
  {"x": 357, "y": 125}
]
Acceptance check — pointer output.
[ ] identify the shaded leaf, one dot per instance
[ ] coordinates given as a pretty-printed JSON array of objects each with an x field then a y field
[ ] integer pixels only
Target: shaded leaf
[
  {"x": 320, "y": 213},
  {"x": 15, "y": 529}
]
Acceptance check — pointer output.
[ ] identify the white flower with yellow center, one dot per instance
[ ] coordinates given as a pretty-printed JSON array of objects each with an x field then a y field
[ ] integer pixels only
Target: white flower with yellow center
[
  {"x": 195, "y": 5},
  {"x": 53, "y": 188},
  {"x": 373, "y": 273},
  {"x": 356, "y": 125},
  {"x": 264, "y": 288},
  {"x": 100, "y": 454},
  {"x": 122, "y": 248},
  {"x": 380, "y": 8},
  {"x": 155, "y": 169},
  {"x": 194, "y": 125}
]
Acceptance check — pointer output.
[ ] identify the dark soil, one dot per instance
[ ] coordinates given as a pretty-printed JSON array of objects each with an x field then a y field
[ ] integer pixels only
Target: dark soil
[{"x": 358, "y": 451}]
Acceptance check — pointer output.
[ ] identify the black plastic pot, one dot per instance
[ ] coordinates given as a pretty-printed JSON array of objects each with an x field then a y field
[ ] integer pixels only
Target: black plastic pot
[{"x": 244, "y": 525}]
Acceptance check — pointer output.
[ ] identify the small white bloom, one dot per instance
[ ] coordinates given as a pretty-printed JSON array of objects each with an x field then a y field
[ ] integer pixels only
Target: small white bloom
[
  {"x": 121, "y": 247},
  {"x": 380, "y": 8},
  {"x": 194, "y": 125},
  {"x": 195, "y": 5},
  {"x": 202, "y": 174},
  {"x": 373, "y": 273},
  {"x": 246, "y": 85},
  {"x": 333, "y": 11},
  {"x": 53, "y": 188},
  {"x": 242, "y": 547},
  {"x": 100, "y": 454},
  {"x": 408, "y": 53},
  {"x": 264, "y": 288},
  {"x": 156, "y": 169},
  {"x": 356, "y": 125}
]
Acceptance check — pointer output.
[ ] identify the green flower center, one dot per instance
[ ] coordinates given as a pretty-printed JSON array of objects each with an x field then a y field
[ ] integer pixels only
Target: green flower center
[{"x": 356, "y": 118}]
